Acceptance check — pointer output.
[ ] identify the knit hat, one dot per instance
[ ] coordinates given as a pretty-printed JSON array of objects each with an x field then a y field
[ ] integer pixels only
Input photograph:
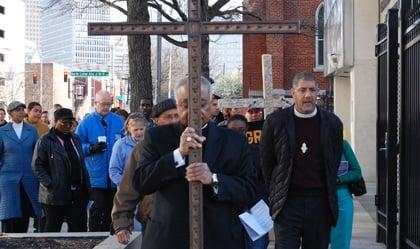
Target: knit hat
[
  {"x": 14, "y": 105},
  {"x": 63, "y": 113},
  {"x": 163, "y": 106}
]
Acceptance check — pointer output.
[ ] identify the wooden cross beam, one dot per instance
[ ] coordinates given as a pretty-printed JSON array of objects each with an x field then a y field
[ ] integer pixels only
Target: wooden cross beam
[{"x": 194, "y": 28}]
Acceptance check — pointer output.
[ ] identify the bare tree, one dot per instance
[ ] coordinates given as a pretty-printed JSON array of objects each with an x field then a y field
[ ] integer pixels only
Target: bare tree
[
  {"x": 13, "y": 85},
  {"x": 139, "y": 45}
]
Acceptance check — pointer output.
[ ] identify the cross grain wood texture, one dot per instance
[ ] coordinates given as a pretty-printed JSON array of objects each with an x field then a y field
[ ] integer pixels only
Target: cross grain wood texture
[{"x": 194, "y": 28}]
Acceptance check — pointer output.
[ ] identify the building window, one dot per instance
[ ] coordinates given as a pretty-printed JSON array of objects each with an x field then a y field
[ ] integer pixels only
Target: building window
[
  {"x": 1, "y": 57},
  {"x": 1, "y": 33},
  {"x": 1, "y": 10},
  {"x": 319, "y": 36}
]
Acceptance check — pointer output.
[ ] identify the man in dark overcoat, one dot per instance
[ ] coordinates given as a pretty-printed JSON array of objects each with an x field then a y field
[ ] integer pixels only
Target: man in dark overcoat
[{"x": 227, "y": 174}]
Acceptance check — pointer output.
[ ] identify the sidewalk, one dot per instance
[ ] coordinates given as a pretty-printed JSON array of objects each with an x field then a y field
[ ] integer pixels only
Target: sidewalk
[{"x": 364, "y": 229}]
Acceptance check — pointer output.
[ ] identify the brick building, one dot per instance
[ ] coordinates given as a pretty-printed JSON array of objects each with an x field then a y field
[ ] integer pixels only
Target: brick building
[{"x": 290, "y": 53}]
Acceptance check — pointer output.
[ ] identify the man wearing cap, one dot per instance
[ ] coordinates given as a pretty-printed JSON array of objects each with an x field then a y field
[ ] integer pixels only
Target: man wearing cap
[
  {"x": 98, "y": 133},
  {"x": 18, "y": 185},
  {"x": 227, "y": 174},
  {"x": 127, "y": 198},
  {"x": 34, "y": 112},
  {"x": 58, "y": 163}
]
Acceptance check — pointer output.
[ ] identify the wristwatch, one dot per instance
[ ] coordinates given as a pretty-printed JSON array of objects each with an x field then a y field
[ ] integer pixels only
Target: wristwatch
[{"x": 214, "y": 180}]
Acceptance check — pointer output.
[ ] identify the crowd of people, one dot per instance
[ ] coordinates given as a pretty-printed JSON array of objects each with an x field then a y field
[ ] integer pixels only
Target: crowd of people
[{"x": 113, "y": 169}]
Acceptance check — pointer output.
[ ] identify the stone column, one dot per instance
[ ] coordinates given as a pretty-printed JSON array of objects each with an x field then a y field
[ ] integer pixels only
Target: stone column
[{"x": 267, "y": 84}]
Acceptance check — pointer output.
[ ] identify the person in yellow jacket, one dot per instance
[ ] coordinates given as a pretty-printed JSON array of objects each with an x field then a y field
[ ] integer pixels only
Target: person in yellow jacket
[{"x": 34, "y": 112}]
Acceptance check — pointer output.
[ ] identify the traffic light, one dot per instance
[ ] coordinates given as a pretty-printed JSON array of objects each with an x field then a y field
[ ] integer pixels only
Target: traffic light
[
  {"x": 34, "y": 78},
  {"x": 65, "y": 76}
]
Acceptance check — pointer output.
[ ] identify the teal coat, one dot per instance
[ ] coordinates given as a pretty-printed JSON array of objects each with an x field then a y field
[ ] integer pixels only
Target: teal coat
[{"x": 15, "y": 167}]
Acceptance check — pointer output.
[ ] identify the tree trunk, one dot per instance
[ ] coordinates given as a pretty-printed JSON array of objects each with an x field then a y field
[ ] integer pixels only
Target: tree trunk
[
  {"x": 205, "y": 39},
  {"x": 205, "y": 68},
  {"x": 139, "y": 56}
]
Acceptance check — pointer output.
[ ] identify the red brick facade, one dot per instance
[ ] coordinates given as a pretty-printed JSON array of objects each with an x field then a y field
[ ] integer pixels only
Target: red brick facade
[{"x": 290, "y": 53}]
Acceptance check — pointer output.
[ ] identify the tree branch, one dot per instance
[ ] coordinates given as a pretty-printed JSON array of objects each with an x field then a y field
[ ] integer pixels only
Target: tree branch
[
  {"x": 182, "y": 44},
  {"x": 217, "y": 6},
  {"x": 115, "y": 6},
  {"x": 179, "y": 10},
  {"x": 156, "y": 6},
  {"x": 229, "y": 14}
]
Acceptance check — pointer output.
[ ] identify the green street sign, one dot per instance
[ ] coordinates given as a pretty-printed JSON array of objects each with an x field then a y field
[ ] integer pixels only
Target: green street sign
[{"x": 89, "y": 74}]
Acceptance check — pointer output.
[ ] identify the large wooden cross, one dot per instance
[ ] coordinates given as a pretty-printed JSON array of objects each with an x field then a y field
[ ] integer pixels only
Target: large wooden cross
[{"x": 194, "y": 28}]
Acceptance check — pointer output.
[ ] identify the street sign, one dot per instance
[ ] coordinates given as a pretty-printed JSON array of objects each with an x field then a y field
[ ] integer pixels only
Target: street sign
[{"x": 89, "y": 74}]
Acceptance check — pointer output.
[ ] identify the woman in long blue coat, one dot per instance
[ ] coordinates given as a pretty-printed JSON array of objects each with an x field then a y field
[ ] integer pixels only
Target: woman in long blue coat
[{"x": 18, "y": 185}]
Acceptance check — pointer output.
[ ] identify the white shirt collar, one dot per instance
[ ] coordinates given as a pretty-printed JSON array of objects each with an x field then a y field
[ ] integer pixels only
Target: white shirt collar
[
  {"x": 301, "y": 115},
  {"x": 18, "y": 128}
]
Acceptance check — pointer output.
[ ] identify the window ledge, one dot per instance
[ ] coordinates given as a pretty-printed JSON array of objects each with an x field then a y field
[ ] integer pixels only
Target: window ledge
[{"x": 319, "y": 69}]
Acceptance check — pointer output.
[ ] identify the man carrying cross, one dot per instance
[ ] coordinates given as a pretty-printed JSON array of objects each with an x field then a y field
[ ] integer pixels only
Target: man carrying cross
[{"x": 227, "y": 175}]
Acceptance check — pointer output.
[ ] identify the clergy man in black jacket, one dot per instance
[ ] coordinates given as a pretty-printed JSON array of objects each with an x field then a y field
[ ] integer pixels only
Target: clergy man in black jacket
[
  {"x": 301, "y": 150},
  {"x": 227, "y": 174}
]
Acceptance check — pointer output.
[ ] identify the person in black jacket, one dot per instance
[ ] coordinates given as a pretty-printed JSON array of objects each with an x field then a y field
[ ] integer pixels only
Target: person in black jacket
[
  {"x": 300, "y": 154},
  {"x": 227, "y": 174},
  {"x": 58, "y": 163}
]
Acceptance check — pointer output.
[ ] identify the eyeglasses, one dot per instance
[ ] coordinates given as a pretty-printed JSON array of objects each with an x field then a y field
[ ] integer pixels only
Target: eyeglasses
[{"x": 104, "y": 103}]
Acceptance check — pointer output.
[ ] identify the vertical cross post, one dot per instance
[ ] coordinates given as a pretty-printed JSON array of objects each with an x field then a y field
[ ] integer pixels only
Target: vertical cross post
[{"x": 194, "y": 119}]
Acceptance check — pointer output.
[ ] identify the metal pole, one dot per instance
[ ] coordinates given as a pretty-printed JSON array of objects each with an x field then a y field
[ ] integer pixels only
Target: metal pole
[
  {"x": 170, "y": 74},
  {"x": 40, "y": 84},
  {"x": 158, "y": 63}
]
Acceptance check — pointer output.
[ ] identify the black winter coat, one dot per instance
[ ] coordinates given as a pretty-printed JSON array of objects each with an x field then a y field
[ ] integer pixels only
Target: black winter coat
[
  {"x": 226, "y": 154},
  {"x": 51, "y": 166},
  {"x": 277, "y": 152}
]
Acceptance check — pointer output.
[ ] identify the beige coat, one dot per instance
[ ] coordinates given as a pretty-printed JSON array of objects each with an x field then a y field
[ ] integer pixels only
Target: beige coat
[{"x": 127, "y": 198}]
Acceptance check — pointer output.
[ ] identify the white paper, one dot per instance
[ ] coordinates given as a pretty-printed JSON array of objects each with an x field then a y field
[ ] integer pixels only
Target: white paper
[{"x": 257, "y": 220}]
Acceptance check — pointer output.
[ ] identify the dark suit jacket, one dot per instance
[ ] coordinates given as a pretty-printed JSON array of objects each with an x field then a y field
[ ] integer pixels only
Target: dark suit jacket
[{"x": 226, "y": 154}]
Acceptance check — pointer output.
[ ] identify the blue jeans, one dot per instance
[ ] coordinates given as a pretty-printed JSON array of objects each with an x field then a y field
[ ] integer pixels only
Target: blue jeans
[
  {"x": 260, "y": 243},
  {"x": 341, "y": 234}
]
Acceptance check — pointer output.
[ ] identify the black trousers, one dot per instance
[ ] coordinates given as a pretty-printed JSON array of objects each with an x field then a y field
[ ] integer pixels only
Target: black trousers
[
  {"x": 303, "y": 221},
  {"x": 19, "y": 225},
  {"x": 75, "y": 215},
  {"x": 100, "y": 211}
]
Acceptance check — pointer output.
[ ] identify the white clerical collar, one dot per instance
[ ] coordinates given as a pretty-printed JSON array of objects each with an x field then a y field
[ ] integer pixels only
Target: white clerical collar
[
  {"x": 301, "y": 115},
  {"x": 17, "y": 124}
]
